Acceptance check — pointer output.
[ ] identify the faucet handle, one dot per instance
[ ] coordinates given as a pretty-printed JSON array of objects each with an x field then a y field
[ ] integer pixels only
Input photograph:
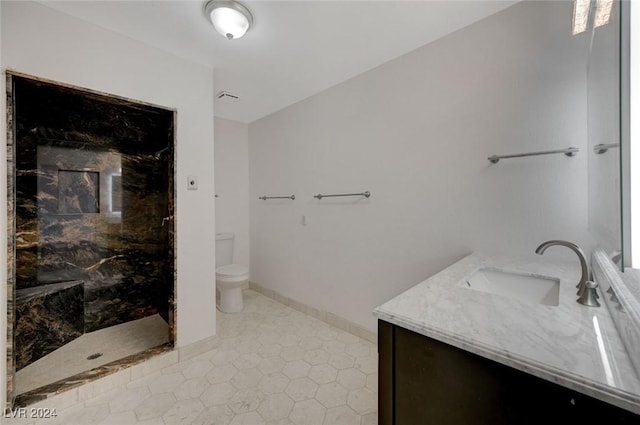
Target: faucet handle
[
  {"x": 583, "y": 287},
  {"x": 589, "y": 295}
]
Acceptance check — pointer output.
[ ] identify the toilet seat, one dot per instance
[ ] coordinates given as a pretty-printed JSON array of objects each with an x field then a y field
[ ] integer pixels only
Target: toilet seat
[{"x": 232, "y": 273}]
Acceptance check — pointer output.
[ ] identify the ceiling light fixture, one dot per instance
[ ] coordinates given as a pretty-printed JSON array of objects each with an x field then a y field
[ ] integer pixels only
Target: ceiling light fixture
[
  {"x": 580, "y": 16},
  {"x": 229, "y": 18},
  {"x": 582, "y": 11},
  {"x": 603, "y": 13}
]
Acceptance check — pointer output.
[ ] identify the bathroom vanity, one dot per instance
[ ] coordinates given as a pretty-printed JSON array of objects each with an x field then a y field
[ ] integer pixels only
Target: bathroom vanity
[{"x": 454, "y": 350}]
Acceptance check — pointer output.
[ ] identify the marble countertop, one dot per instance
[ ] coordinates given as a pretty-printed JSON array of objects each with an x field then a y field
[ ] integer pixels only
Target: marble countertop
[{"x": 569, "y": 344}]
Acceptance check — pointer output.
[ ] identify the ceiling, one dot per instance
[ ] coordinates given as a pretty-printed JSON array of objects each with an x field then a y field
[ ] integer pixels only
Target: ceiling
[{"x": 295, "y": 48}]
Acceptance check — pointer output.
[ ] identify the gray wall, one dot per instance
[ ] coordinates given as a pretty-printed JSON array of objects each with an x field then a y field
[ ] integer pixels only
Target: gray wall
[
  {"x": 416, "y": 132},
  {"x": 232, "y": 184}
]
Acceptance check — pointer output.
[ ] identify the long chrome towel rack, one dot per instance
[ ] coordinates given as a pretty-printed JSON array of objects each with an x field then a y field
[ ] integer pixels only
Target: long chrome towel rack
[
  {"x": 264, "y": 198},
  {"x": 604, "y": 147},
  {"x": 365, "y": 194},
  {"x": 568, "y": 151}
]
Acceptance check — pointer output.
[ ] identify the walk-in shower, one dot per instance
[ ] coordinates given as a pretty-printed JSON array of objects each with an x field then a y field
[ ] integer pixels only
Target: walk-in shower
[{"x": 91, "y": 234}]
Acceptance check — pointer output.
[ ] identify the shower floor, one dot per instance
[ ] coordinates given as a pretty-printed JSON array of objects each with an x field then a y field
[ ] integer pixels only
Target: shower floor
[{"x": 113, "y": 343}]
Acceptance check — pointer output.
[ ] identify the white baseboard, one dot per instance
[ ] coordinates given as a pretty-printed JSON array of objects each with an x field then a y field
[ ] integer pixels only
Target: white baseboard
[{"x": 328, "y": 317}]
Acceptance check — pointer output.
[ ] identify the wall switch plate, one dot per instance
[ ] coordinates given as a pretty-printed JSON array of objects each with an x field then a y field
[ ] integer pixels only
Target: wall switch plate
[{"x": 192, "y": 182}]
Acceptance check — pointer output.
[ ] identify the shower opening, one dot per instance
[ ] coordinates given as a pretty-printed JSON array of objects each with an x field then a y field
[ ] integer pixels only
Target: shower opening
[{"x": 91, "y": 270}]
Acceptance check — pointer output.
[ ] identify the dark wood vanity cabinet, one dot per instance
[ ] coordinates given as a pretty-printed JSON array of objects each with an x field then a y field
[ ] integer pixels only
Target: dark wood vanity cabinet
[{"x": 424, "y": 381}]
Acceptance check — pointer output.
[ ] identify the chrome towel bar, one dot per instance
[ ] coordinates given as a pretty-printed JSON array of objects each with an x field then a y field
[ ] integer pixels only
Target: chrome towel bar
[
  {"x": 264, "y": 198},
  {"x": 568, "y": 151},
  {"x": 604, "y": 147},
  {"x": 365, "y": 194}
]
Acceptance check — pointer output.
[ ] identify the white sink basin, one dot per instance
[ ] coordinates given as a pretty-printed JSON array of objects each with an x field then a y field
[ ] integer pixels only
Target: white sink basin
[{"x": 525, "y": 287}]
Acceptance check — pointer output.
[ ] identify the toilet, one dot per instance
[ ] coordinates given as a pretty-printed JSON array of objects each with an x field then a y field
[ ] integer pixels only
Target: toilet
[{"x": 230, "y": 278}]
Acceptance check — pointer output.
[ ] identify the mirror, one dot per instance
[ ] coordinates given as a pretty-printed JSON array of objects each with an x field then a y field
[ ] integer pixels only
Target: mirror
[
  {"x": 630, "y": 155},
  {"x": 603, "y": 130}
]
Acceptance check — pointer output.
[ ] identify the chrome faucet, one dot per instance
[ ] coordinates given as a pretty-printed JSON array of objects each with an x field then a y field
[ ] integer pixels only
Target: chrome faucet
[{"x": 586, "y": 287}]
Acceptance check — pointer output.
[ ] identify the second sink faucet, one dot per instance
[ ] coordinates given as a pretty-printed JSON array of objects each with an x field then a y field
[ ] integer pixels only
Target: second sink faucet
[{"x": 586, "y": 288}]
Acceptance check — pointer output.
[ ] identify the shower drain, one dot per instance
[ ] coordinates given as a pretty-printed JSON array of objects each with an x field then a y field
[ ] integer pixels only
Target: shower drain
[{"x": 94, "y": 356}]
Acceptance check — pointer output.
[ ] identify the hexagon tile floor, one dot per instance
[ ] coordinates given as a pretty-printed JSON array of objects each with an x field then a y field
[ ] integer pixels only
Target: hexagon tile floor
[{"x": 272, "y": 365}]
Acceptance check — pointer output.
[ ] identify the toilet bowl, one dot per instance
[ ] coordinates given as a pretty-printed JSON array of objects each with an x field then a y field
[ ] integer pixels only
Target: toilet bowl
[
  {"x": 230, "y": 278},
  {"x": 229, "y": 281}
]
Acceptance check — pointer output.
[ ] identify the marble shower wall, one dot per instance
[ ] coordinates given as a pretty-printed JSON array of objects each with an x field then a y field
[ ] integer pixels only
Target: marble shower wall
[
  {"x": 47, "y": 317},
  {"x": 93, "y": 214}
]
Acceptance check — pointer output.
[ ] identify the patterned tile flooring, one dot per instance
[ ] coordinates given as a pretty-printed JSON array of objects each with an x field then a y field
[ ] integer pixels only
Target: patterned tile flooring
[{"x": 271, "y": 365}]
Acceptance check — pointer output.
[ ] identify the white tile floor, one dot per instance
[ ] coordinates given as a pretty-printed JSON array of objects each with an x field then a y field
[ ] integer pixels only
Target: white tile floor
[{"x": 271, "y": 365}]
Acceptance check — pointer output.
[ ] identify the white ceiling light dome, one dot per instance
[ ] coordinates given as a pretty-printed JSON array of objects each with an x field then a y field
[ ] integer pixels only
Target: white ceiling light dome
[{"x": 229, "y": 18}]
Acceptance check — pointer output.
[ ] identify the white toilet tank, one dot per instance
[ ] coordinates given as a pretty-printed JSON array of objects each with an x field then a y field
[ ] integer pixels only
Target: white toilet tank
[{"x": 224, "y": 249}]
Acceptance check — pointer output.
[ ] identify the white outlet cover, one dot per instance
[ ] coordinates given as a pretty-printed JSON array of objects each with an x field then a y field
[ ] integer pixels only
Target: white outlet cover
[{"x": 192, "y": 182}]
